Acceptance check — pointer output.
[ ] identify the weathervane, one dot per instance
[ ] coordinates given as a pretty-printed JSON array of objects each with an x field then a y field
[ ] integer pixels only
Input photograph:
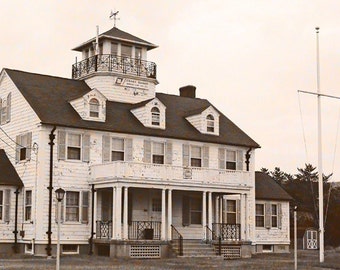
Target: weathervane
[{"x": 113, "y": 16}]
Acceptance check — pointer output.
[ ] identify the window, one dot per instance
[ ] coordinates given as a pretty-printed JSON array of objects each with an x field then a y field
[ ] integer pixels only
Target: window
[
  {"x": 117, "y": 151},
  {"x": 267, "y": 248},
  {"x": 72, "y": 206},
  {"x": 1, "y": 204},
  {"x": 138, "y": 53},
  {"x": 157, "y": 153},
  {"x": 195, "y": 156},
  {"x": 114, "y": 48},
  {"x": 196, "y": 211},
  {"x": 231, "y": 160},
  {"x": 94, "y": 107},
  {"x": 28, "y": 205},
  {"x": 230, "y": 213},
  {"x": 157, "y": 205},
  {"x": 74, "y": 146},
  {"x": 210, "y": 123},
  {"x": 70, "y": 249},
  {"x": 126, "y": 51},
  {"x": 274, "y": 215},
  {"x": 155, "y": 116},
  {"x": 23, "y": 146},
  {"x": 3, "y": 111},
  {"x": 259, "y": 215}
]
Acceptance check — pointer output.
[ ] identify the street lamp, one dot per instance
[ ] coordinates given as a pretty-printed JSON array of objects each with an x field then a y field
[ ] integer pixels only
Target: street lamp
[
  {"x": 295, "y": 237},
  {"x": 59, "y": 193}
]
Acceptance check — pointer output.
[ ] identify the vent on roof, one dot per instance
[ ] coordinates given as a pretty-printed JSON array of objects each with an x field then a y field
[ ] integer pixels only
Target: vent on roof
[{"x": 188, "y": 91}]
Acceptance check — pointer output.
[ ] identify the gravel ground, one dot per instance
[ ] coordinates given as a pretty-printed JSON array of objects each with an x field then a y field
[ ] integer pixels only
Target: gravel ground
[{"x": 306, "y": 260}]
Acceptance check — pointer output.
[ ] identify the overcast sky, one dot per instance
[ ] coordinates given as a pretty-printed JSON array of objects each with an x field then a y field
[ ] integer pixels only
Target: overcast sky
[{"x": 248, "y": 58}]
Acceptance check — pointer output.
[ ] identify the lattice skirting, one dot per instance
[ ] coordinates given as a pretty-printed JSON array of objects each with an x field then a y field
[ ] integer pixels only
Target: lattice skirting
[
  {"x": 149, "y": 251},
  {"x": 230, "y": 252}
]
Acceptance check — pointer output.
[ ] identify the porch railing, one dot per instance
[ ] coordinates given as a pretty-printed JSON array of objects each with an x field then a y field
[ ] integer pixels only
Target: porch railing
[
  {"x": 226, "y": 231},
  {"x": 104, "y": 229},
  {"x": 177, "y": 238},
  {"x": 150, "y": 230},
  {"x": 114, "y": 63}
]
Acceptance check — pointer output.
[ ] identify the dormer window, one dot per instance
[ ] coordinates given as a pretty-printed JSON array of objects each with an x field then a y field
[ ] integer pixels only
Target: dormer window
[
  {"x": 155, "y": 116},
  {"x": 94, "y": 108},
  {"x": 210, "y": 123}
]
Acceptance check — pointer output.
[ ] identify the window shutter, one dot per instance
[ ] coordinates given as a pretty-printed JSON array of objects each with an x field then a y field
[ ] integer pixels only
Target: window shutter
[
  {"x": 29, "y": 146},
  {"x": 8, "y": 108},
  {"x": 0, "y": 110},
  {"x": 186, "y": 211},
  {"x": 279, "y": 213},
  {"x": 267, "y": 215},
  {"x": 17, "y": 148},
  {"x": 86, "y": 147},
  {"x": 238, "y": 211},
  {"x": 128, "y": 149},
  {"x": 206, "y": 156},
  {"x": 168, "y": 153},
  {"x": 147, "y": 151},
  {"x": 106, "y": 148},
  {"x": 239, "y": 165},
  {"x": 185, "y": 155},
  {"x": 221, "y": 158},
  {"x": 7, "y": 205},
  {"x": 61, "y": 145},
  {"x": 85, "y": 207}
]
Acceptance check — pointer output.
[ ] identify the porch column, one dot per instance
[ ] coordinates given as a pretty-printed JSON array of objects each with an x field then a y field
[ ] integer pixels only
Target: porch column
[
  {"x": 113, "y": 213},
  {"x": 221, "y": 208},
  {"x": 245, "y": 220},
  {"x": 169, "y": 213},
  {"x": 210, "y": 210},
  {"x": 125, "y": 214},
  {"x": 163, "y": 215},
  {"x": 95, "y": 212},
  {"x": 217, "y": 210},
  {"x": 204, "y": 213},
  {"x": 118, "y": 217}
]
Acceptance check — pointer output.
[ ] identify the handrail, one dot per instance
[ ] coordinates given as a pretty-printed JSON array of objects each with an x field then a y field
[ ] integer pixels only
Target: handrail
[
  {"x": 176, "y": 236},
  {"x": 210, "y": 232}
]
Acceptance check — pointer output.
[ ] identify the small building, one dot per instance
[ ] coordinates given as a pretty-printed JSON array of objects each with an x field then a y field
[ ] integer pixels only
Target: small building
[{"x": 272, "y": 232}]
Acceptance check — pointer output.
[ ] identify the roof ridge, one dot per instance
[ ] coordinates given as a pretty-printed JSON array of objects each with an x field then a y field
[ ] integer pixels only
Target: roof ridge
[{"x": 39, "y": 74}]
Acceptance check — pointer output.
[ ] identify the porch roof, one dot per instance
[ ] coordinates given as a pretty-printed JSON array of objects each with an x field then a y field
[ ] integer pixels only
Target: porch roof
[{"x": 8, "y": 175}]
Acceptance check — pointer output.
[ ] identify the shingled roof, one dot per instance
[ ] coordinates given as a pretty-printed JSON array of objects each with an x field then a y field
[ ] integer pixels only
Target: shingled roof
[
  {"x": 49, "y": 97},
  {"x": 267, "y": 189},
  {"x": 117, "y": 34},
  {"x": 8, "y": 175}
]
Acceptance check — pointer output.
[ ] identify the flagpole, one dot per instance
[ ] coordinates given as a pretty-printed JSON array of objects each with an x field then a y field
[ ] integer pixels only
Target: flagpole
[{"x": 321, "y": 223}]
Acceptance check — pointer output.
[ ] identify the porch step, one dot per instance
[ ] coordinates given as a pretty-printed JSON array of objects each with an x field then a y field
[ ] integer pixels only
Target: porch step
[{"x": 195, "y": 248}]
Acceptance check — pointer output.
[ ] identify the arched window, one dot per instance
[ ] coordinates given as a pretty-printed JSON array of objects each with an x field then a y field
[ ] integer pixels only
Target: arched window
[
  {"x": 155, "y": 116},
  {"x": 210, "y": 123},
  {"x": 94, "y": 108}
]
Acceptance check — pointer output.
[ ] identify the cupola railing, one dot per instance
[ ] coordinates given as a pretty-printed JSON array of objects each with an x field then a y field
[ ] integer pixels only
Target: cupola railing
[{"x": 114, "y": 63}]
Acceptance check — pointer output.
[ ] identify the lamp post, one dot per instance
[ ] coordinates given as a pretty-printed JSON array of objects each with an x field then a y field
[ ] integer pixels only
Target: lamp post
[
  {"x": 60, "y": 196},
  {"x": 295, "y": 238}
]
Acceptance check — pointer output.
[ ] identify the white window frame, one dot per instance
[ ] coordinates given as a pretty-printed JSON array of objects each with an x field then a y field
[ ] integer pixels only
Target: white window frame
[
  {"x": 227, "y": 160},
  {"x": 117, "y": 150},
  {"x": 68, "y": 134},
  {"x": 260, "y": 215},
  {"x": 3, "y": 112},
  {"x": 24, "y": 146},
  {"x": 72, "y": 206},
  {"x": 210, "y": 123},
  {"x": 94, "y": 106},
  {"x": 2, "y": 202},
  {"x": 155, "y": 116},
  {"x": 155, "y": 155},
  {"x": 193, "y": 211},
  {"x": 191, "y": 156},
  {"x": 274, "y": 216},
  {"x": 226, "y": 211},
  {"x": 267, "y": 250},
  {"x": 70, "y": 252},
  {"x": 28, "y": 205}
]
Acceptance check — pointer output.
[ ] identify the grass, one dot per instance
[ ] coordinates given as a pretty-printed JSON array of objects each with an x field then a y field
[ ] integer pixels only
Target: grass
[{"x": 306, "y": 260}]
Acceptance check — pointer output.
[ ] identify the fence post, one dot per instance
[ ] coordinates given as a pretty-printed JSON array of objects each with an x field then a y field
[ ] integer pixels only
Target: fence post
[
  {"x": 219, "y": 245},
  {"x": 181, "y": 246}
]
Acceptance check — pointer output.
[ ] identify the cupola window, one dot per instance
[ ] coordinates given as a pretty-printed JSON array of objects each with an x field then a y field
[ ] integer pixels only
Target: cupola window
[
  {"x": 155, "y": 116},
  {"x": 210, "y": 123},
  {"x": 94, "y": 108}
]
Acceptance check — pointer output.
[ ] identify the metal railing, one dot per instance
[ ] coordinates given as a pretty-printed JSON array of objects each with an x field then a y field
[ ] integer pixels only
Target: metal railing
[
  {"x": 104, "y": 229},
  {"x": 211, "y": 235},
  {"x": 178, "y": 239},
  {"x": 226, "y": 231},
  {"x": 114, "y": 63},
  {"x": 149, "y": 230}
]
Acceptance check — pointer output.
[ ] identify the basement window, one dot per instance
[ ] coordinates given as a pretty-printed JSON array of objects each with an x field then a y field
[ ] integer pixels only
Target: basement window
[
  {"x": 267, "y": 248},
  {"x": 70, "y": 249}
]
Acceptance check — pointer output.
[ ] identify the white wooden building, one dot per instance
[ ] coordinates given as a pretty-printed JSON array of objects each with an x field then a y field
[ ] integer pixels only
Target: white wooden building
[{"x": 141, "y": 169}]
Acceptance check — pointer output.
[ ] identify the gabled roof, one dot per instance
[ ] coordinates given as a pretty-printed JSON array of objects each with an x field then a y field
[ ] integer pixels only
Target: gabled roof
[
  {"x": 117, "y": 34},
  {"x": 49, "y": 97},
  {"x": 267, "y": 189},
  {"x": 8, "y": 175}
]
